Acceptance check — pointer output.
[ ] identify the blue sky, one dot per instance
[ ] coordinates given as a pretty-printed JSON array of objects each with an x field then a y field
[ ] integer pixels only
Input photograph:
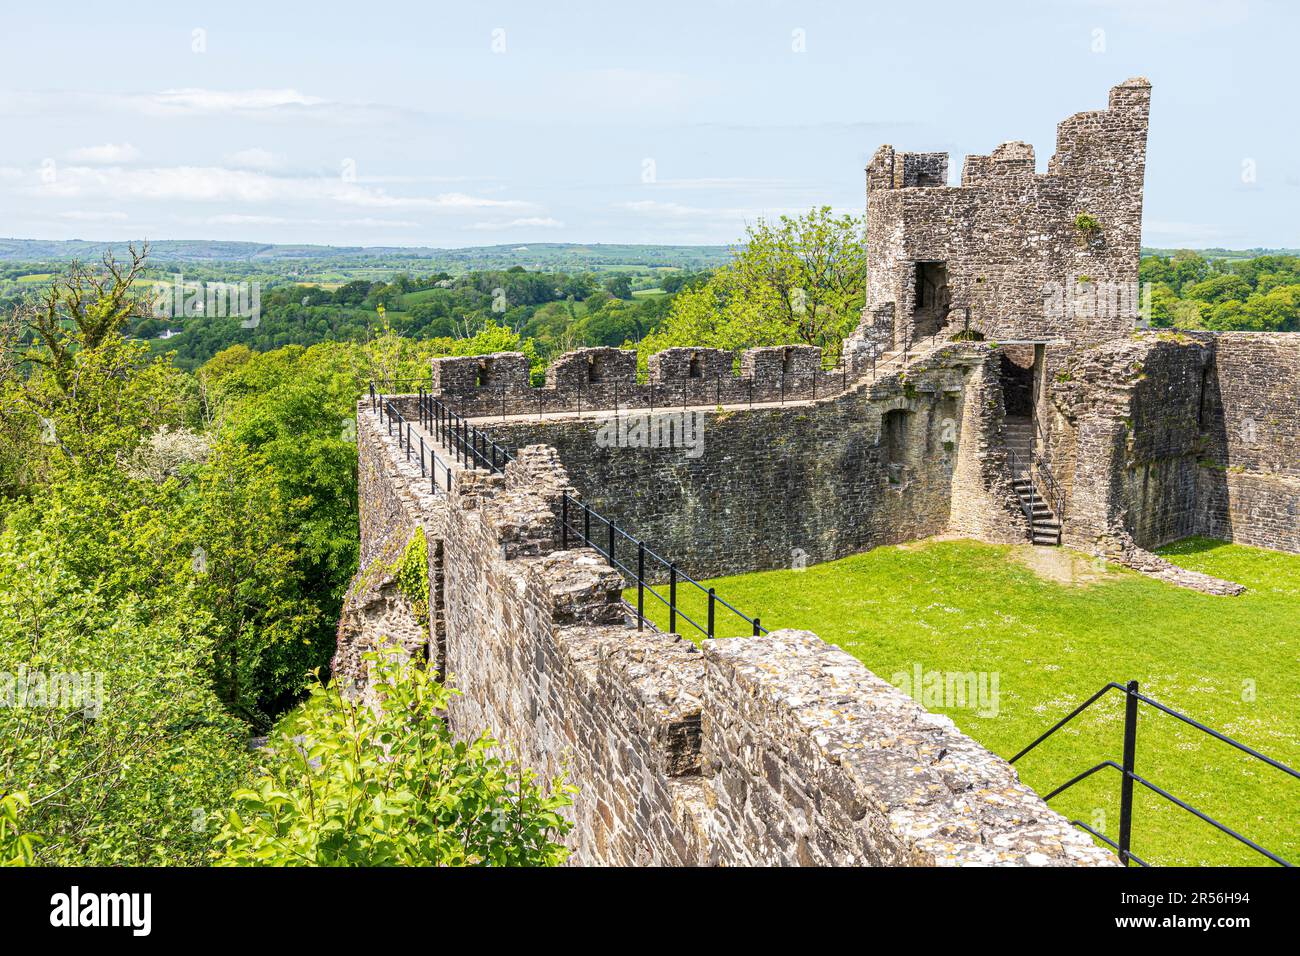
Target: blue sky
[{"x": 385, "y": 123}]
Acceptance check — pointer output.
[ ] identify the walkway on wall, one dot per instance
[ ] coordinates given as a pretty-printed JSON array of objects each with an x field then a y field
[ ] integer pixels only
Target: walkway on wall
[
  {"x": 441, "y": 444},
  {"x": 888, "y": 363}
]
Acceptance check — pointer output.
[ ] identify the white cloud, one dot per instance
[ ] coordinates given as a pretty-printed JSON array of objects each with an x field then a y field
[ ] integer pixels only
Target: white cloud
[
  {"x": 107, "y": 153},
  {"x": 81, "y": 215},
  {"x": 255, "y": 158},
  {"x": 239, "y": 219},
  {"x": 724, "y": 182},
  {"x": 191, "y": 102},
  {"x": 675, "y": 210},
  {"x": 198, "y": 101},
  {"x": 530, "y": 222},
  {"x": 222, "y": 184}
]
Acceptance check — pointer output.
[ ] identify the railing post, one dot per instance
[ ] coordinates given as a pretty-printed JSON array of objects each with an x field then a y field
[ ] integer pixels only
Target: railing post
[
  {"x": 421, "y": 456},
  {"x": 711, "y": 597},
  {"x": 1130, "y": 755},
  {"x": 610, "y": 554},
  {"x": 757, "y": 629},
  {"x": 586, "y": 525},
  {"x": 672, "y": 598},
  {"x": 640, "y": 585},
  {"x": 564, "y": 521}
]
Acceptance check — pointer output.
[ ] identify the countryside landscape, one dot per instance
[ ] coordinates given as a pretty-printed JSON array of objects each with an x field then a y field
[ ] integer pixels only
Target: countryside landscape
[{"x": 667, "y": 492}]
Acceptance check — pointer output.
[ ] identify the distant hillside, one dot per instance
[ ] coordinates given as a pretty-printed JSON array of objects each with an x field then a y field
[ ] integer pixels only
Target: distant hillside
[
  {"x": 1222, "y": 253},
  {"x": 547, "y": 256}
]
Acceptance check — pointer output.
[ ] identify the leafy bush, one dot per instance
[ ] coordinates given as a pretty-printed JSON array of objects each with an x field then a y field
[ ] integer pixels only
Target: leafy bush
[
  {"x": 1086, "y": 224},
  {"x": 349, "y": 783},
  {"x": 16, "y": 848},
  {"x": 412, "y": 572},
  {"x": 108, "y": 723}
]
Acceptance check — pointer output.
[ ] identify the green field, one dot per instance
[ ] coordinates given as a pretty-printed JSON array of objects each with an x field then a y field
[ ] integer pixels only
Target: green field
[{"x": 1054, "y": 627}]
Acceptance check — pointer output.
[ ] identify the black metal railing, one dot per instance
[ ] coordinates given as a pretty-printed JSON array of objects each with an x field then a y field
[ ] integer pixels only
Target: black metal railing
[
  {"x": 1034, "y": 469},
  {"x": 470, "y": 446},
  {"x": 473, "y": 448},
  {"x": 580, "y": 522},
  {"x": 1054, "y": 490},
  {"x": 410, "y": 442},
  {"x": 1024, "y": 469},
  {"x": 1128, "y": 776}
]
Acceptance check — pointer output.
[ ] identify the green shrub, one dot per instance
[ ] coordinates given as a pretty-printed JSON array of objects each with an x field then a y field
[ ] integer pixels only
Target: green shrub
[
  {"x": 412, "y": 571},
  {"x": 1086, "y": 224},
  {"x": 349, "y": 784}
]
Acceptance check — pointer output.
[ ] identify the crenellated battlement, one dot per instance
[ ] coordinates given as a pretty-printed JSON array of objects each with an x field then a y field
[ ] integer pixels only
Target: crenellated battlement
[{"x": 606, "y": 378}]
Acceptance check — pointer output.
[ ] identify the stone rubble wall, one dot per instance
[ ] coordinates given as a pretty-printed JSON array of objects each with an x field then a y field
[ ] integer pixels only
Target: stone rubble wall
[
  {"x": 1161, "y": 435},
  {"x": 815, "y": 760},
  {"x": 394, "y": 504},
  {"x": 778, "y": 749}
]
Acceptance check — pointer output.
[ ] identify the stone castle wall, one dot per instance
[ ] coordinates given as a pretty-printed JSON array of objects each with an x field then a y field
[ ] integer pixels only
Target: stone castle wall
[
  {"x": 764, "y": 488},
  {"x": 778, "y": 749},
  {"x": 600, "y": 378},
  {"x": 1159, "y": 436},
  {"x": 1007, "y": 235},
  {"x": 1248, "y": 488}
]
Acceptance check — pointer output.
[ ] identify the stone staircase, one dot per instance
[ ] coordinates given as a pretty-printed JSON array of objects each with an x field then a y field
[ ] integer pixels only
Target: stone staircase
[{"x": 1045, "y": 524}]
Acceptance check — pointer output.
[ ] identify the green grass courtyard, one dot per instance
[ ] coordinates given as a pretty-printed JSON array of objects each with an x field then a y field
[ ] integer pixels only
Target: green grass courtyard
[{"x": 1055, "y": 626}]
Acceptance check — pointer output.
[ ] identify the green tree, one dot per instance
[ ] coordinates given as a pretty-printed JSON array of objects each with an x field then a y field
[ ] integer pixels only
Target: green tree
[
  {"x": 345, "y": 783},
  {"x": 81, "y": 309},
  {"x": 797, "y": 280}
]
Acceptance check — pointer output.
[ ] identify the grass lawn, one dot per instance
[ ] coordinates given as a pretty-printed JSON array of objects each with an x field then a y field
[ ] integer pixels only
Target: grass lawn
[{"x": 1054, "y": 633}]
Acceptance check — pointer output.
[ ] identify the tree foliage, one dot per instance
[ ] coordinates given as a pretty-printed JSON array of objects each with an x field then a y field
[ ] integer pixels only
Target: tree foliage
[
  {"x": 796, "y": 280},
  {"x": 1260, "y": 294},
  {"x": 344, "y": 782}
]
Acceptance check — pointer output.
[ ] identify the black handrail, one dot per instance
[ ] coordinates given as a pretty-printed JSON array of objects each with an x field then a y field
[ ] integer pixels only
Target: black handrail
[
  {"x": 571, "y": 507},
  {"x": 1128, "y": 777},
  {"x": 473, "y": 448},
  {"x": 390, "y": 416},
  {"x": 1054, "y": 489}
]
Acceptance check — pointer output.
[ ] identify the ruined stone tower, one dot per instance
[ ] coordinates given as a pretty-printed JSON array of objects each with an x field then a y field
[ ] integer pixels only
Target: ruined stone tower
[{"x": 1010, "y": 244}]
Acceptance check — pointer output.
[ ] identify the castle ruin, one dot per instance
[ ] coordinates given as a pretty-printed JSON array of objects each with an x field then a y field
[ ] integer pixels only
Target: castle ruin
[{"x": 999, "y": 387}]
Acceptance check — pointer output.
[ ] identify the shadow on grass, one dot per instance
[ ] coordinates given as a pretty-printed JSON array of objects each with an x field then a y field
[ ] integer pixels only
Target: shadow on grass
[{"x": 1194, "y": 544}]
